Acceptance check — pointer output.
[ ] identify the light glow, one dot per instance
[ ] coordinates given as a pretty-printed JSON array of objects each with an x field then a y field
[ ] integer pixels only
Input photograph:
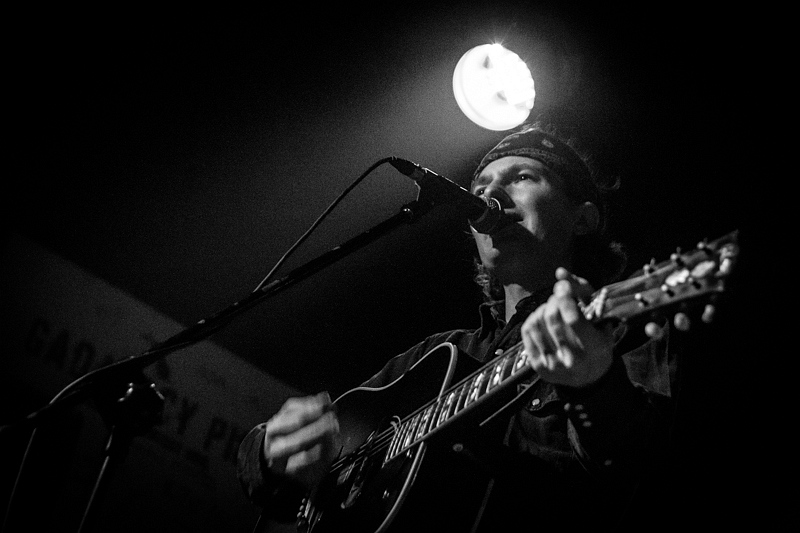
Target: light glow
[{"x": 493, "y": 87}]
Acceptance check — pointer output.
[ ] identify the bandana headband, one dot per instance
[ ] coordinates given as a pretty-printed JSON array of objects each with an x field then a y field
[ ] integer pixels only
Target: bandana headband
[{"x": 552, "y": 152}]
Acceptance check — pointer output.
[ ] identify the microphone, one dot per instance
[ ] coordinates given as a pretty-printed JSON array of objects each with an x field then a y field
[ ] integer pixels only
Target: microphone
[{"x": 485, "y": 215}]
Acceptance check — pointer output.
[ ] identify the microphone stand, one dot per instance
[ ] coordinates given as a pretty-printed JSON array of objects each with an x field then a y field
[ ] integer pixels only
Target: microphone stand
[{"x": 139, "y": 407}]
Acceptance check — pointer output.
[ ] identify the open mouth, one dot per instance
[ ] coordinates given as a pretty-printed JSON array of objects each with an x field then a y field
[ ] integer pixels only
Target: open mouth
[
  {"x": 510, "y": 226},
  {"x": 510, "y": 219}
]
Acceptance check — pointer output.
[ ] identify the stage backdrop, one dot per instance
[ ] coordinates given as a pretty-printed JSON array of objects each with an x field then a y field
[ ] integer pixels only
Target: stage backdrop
[{"x": 59, "y": 323}]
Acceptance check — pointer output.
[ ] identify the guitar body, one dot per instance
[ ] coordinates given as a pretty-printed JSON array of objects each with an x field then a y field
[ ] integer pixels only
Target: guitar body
[{"x": 364, "y": 494}]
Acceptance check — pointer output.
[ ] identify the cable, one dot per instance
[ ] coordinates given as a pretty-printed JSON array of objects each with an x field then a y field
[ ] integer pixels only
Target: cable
[{"x": 319, "y": 220}]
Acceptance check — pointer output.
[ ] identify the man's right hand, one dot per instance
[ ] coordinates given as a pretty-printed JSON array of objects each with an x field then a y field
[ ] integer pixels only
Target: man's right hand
[{"x": 302, "y": 439}]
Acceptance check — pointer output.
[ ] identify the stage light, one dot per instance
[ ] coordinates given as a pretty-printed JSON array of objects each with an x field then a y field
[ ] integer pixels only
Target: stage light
[{"x": 493, "y": 87}]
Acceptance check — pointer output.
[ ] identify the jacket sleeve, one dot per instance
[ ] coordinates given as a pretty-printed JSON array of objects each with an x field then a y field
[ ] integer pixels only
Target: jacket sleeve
[
  {"x": 279, "y": 496},
  {"x": 617, "y": 424},
  {"x": 615, "y": 430}
]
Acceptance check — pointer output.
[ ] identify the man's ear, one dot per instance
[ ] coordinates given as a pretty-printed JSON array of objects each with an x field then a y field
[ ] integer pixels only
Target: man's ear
[{"x": 588, "y": 218}]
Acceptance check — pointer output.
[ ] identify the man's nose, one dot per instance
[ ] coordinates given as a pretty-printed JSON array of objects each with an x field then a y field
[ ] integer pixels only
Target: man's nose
[{"x": 498, "y": 192}]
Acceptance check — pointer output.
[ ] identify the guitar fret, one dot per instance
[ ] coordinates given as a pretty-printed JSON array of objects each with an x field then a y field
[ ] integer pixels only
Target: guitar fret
[
  {"x": 409, "y": 436},
  {"x": 397, "y": 440},
  {"x": 437, "y": 413},
  {"x": 436, "y": 420},
  {"x": 405, "y": 429},
  {"x": 475, "y": 388},
  {"x": 390, "y": 450},
  {"x": 520, "y": 363},
  {"x": 509, "y": 365},
  {"x": 497, "y": 374},
  {"x": 470, "y": 392},
  {"x": 426, "y": 418},
  {"x": 483, "y": 385},
  {"x": 447, "y": 409},
  {"x": 461, "y": 397}
]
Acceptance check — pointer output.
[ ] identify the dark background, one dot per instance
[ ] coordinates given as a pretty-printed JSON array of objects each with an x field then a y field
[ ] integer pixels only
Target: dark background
[{"x": 179, "y": 155}]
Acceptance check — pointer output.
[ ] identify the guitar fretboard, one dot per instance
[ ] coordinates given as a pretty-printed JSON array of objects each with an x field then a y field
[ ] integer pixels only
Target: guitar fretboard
[{"x": 507, "y": 367}]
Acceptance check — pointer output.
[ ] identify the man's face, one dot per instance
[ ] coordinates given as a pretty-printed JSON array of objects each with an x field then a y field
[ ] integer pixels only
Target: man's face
[{"x": 535, "y": 197}]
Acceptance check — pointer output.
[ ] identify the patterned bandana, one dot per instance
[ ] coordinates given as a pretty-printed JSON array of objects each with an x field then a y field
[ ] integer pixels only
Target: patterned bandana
[{"x": 554, "y": 153}]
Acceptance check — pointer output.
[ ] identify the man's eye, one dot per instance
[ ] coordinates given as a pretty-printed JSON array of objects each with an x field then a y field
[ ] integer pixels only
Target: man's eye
[{"x": 527, "y": 177}]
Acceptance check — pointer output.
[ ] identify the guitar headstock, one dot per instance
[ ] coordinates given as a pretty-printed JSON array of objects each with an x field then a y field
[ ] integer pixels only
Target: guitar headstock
[{"x": 695, "y": 277}]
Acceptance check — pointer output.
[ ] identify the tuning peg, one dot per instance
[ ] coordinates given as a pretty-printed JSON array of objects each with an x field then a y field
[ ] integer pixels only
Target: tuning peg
[
  {"x": 654, "y": 331},
  {"x": 649, "y": 267},
  {"x": 708, "y": 313},
  {"x": 677, "y": 259},
  {"x": 682, "y": 322}
]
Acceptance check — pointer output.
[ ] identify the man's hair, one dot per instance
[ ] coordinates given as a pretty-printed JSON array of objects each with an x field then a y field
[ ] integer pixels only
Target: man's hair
[{"x": 598, "y": 258}]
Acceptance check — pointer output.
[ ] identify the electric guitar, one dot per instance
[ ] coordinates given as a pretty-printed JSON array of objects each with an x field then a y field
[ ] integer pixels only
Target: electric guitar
[{"x": 386, "y": 432}]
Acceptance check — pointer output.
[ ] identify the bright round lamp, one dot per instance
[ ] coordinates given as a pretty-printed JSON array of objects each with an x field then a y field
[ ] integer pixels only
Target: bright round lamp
[{"x": 493, "y": 87}]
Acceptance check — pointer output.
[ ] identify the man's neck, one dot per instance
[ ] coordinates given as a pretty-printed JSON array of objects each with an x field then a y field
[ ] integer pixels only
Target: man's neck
[
  {"x": 513, "y": 295},
  {"x": 523, "y": 276}
]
